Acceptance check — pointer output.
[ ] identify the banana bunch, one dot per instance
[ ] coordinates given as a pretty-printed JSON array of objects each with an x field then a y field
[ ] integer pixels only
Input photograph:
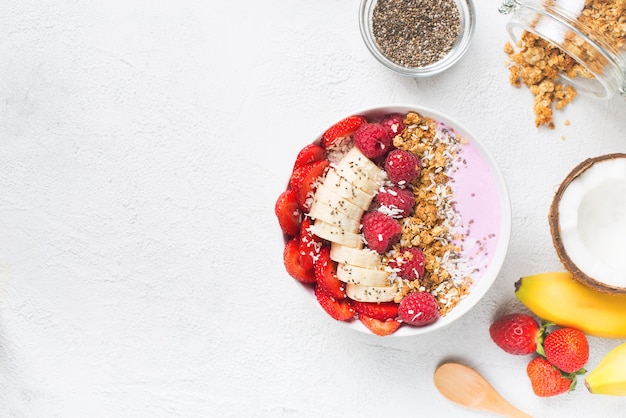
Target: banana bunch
[
  {"x": 609, "y": 376},
  {"x": 558, "y": 297},
  {"x": 338, "y": 205}
]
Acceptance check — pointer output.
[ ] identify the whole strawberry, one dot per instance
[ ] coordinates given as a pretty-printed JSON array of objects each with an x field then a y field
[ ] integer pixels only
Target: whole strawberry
[
  {"x": 546, "y": 380},
  {"x": 567, "y": 349},
  {"x": 516, "y": 333}
]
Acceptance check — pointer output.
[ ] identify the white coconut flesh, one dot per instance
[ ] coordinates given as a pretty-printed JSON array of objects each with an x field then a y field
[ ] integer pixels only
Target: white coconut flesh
[{"x": 592, "y": 221}]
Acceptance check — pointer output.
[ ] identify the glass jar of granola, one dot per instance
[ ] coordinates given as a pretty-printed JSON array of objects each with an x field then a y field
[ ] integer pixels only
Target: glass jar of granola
[{"x": 580, "y": 41}]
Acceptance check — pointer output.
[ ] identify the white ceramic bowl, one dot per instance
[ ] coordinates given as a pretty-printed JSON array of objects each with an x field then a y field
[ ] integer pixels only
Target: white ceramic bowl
[{"x": 489, "y": 212}]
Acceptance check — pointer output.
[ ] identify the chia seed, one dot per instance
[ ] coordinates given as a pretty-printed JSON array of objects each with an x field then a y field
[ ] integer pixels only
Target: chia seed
[{"x": 415, "y": 33}]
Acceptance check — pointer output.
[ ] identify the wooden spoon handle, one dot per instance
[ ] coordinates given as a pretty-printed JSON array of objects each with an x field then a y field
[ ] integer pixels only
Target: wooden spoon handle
[{"x": 506, "y": 409}]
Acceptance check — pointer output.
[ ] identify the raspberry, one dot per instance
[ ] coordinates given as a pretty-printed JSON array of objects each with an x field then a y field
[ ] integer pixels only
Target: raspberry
[
  {"x": 394, "y": 123},
  {"x": 395, "y": 201},
  {"x": 372, "y": 139},
  {"x": 402, "y": 166},
  {"x": 418, "y": 309},
  {"x": 380, "y": 231},
  {"x": 409, "y": 263}
]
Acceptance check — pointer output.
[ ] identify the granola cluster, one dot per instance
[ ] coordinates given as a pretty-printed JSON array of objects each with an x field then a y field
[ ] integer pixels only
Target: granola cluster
[
  {"x": 430, "y": 227},
  {"x": 538, "y": 63}
]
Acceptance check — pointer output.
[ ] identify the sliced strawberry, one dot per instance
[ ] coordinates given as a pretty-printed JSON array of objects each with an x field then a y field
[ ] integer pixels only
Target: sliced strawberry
[
  {"x": 310, "y": 244},
  {"x": 380, "y": 328},
  {"x": 381, "y": 311},
  {"x": 308, "y": 155},
  {"x": 297, "y": 178},
  {"x": 326, "y": 275},
  {"x": 338, "y": 309},
  {"x": 291, "y": 258},
  {"x": 304, "y": 181},
  {"x": 301, "y": 174},
  {"x": 288, "y": 212},
  {"x": 341, "y": 129}
]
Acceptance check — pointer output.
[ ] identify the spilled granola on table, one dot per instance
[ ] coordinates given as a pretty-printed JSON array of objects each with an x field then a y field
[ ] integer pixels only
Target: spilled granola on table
[{"x": 538, "y": 63}]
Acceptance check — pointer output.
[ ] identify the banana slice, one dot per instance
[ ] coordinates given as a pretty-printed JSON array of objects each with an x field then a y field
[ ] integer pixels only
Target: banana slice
[
  {"x": 371, "y": 293},
  {"x": 344, "y": 188},
  {"x": 362, "y": 276},
  {"x": 354, "y": 256},
  {"x": 334, "y": 218},
  {"x": 358, "y": 178},
  {"x": 355, "y": 159},
  {"x": 334, "y": 234},
  {"x": 334, "y": 203}
]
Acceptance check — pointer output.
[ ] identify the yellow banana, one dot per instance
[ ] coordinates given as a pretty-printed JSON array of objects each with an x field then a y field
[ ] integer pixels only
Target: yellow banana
[
  {"x": 609, "y": 376},
  {"x": 558, "y": 297}
]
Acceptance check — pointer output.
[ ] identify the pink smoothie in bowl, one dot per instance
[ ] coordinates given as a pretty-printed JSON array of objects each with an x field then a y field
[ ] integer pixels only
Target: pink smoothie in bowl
[
  {"x": 477, "y": 200},
  {"x": 472, "y": 207}
]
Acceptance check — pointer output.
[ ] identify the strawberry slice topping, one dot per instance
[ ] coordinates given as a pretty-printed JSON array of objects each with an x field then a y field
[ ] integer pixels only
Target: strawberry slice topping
[
  {"x": 310, "y": 244},
  {"x": 380, "y": 328},
  {"x": 291, "y": 258},
  {"x": 308, "y": 155},
  {"x": 326, "y": 275},
  {"x": 304, "y": 181},
  {"x": 341, "y": 310},
  {"x": 382, "y": 311},
  {"x": 333, "y": 135},
  {"x": 288, "y": 212}
]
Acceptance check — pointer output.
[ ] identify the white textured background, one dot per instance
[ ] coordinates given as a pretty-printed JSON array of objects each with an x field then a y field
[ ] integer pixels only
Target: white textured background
[{"x": 142, "y": 147}]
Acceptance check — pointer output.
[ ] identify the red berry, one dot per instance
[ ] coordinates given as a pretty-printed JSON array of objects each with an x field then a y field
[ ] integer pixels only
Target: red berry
[
  {"x": 409, "y": 263},
  {"x": 341, "y": 310},
  {"x": 396, "y": 202},
  {"x": 310, "y": 244},
  {"x": 304, "y": 181},
  {"x": 288, "y": 212},
  {"x": 378, "y": 327},
  {"x": 291, "y": 259},
  {"x": 344, "y": 128},
  {"x": 297, "y": 178},
  {"x": 309, "y": 154},
  {"x": 516, "y": 333},
  {"x": 381, "y": 311},
  {"x": 373, "y": 140},
  {"x": 394, "y": 124},
  {"x": 546, "y": 380},
  {"x": 402, "y": 166},
  {"x": 380, "y": 231},
  {"x": 418, "y": 309},
  {"x": 567, "y": 349},
  {"x": 326, "y": 275}
]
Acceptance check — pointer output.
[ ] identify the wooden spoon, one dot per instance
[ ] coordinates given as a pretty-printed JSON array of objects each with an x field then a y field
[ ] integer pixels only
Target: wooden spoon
[{"x": 464, "y": 386}]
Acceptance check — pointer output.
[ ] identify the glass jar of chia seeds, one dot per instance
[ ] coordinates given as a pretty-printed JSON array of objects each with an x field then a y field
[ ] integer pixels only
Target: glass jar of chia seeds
[{"x": 580, "y": 41}]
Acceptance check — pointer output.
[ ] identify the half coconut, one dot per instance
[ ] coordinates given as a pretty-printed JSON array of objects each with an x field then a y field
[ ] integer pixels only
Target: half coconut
[{"x": 588, "y": 222}]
